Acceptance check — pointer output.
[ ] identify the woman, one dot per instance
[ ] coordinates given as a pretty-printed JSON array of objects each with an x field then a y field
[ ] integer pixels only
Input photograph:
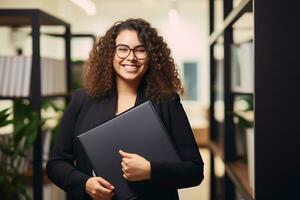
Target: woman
[{"x": 127, "y": 66}]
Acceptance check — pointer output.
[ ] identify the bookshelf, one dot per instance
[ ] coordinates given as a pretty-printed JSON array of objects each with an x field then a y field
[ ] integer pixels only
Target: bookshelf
[
  {"x": 35, "y": 19},
  {"x": 276, "y": 114}
]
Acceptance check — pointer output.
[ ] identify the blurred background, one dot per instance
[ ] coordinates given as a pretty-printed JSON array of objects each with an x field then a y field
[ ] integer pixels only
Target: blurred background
[
  {"x": 185, "y": 26},
  {"x": 182, "y": 23}
]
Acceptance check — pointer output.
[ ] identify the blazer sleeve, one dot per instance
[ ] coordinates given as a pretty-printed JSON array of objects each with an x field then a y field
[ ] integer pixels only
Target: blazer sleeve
[
  {"x": 189, "y": 172},
  {"x": 61, "y": 168}
]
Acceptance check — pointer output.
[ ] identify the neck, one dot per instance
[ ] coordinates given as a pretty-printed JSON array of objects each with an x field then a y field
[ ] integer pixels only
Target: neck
[{"x": 126, "y": 88}]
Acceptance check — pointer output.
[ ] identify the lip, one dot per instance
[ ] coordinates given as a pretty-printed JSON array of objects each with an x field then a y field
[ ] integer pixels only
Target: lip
[{"x": 130, "y": 67}]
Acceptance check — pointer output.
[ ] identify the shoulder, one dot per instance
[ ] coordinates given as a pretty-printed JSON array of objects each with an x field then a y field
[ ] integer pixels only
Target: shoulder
[
  {"x": 171, "y": 100},
  {"x": 79, "y": 95},
  {"x": 80, "y": 92},
  {"x": 170, "y": 103}
]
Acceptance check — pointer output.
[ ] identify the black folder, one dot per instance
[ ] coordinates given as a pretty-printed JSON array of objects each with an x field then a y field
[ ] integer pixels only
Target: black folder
[{"x": 138, "y": 130}]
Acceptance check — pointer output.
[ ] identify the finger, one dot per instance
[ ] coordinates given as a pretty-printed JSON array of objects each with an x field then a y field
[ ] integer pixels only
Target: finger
[
  {"x": 99, "y": 196},
  {"x": 103, "y": 191},
  {"x": 123, "y": 164},
  {"x": 105, "y": 183},
  {"x": 125, "y": 170},
  {"x": 125, "y": 154},
  {"x": 125, "y": 176},
  {"x": 125, "y": 161}
]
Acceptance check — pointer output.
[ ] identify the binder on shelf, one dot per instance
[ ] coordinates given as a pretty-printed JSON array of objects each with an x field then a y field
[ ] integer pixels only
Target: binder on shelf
[
  {"x": 16, "y": 75},
  {"x": 247, "y": 62},
  {"x": 2, "y": 68},
  {"x": 6, "y": 76},
  {"x": 242, "y": 67},
  {"x": 235, "y": 67},
  {"x": 20, "y": 75},
  {"x": 27, "y": 76}
]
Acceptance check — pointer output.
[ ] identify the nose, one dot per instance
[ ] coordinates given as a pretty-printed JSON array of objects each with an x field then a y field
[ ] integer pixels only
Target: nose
[{"x": 131, "y": 55}]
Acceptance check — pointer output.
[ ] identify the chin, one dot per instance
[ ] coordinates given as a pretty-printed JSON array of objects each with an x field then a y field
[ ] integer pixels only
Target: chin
[{"x": 129, "y": 77}]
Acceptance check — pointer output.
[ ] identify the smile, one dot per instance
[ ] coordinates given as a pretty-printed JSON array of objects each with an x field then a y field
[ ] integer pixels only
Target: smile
[{"x": 130, "y": 68}]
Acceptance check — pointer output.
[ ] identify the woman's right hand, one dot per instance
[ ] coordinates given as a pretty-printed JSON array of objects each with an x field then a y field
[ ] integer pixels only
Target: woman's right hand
[{"x": 99, "y": 189}]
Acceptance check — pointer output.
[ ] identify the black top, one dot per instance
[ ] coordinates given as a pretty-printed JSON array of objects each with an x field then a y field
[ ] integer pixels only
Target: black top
[{"x": 69, "y": 168}]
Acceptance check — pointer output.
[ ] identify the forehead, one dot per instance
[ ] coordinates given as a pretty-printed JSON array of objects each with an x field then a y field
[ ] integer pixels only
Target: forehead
[{"x": 128, "y": 37}]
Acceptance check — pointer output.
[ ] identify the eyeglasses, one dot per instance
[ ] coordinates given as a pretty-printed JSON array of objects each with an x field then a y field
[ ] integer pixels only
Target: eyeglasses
[{"x": 123, "y": 51}]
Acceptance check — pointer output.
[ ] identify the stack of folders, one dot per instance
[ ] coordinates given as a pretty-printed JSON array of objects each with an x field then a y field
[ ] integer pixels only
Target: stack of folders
[
  {"x": 138, "y": 130},
  {"x": 15, "y": 76}
]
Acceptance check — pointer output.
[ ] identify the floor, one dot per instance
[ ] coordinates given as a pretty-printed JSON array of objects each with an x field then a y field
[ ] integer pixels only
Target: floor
[{"x": 200, "y": 192}]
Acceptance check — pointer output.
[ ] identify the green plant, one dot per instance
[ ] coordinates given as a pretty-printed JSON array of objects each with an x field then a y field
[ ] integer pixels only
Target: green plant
[
  {"x": 15, "y": 147},
  {"x": 244, "y": 114},
  {"x": 13, "y": 150}
]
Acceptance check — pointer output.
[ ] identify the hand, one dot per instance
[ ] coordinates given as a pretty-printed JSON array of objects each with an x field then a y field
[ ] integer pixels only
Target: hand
[
  {"x": 99, "y": 189},
  {"x": 135, "y": 167}
]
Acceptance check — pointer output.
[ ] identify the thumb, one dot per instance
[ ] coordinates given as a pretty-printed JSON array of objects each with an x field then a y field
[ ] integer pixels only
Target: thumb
[{"x": 125, "y": 154}]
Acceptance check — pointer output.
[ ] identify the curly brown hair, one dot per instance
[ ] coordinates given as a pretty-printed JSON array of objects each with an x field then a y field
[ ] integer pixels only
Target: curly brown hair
[{"x": 161, "y": 79}]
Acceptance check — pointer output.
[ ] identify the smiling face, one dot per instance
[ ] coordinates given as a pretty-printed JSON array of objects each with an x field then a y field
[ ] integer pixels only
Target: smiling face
[{"x": 129, "y": 68}]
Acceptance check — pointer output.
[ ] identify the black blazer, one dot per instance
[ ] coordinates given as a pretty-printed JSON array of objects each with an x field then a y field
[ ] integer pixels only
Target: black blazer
[{"x": 69, "y": 168}]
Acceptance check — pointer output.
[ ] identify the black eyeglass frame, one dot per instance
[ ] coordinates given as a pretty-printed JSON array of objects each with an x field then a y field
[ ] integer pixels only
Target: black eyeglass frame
[{"x": 130, "y": 49}]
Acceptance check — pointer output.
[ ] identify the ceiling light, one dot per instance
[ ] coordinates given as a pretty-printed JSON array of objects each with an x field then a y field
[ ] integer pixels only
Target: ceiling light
[{"x": 87, "y": 5}]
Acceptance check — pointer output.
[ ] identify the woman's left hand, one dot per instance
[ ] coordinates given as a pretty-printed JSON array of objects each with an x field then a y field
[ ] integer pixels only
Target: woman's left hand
[{"x": 135, "y": 167}]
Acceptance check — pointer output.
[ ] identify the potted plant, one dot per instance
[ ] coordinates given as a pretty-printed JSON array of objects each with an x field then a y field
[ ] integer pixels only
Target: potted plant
[
  {"x": 16, "y": 146},
  {"x": 13, "y": 150}
]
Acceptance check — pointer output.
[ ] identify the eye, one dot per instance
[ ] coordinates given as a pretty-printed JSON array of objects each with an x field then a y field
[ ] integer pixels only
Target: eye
[
  {"x": 122, "y": 49},
  {"x": 140, "y": 50}
]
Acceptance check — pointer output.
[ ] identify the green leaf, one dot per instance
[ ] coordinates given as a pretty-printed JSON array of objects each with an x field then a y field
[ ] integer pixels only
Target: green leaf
[
  {"x": 5, "y": 123},
  {"x": 242, "y": 122},
  {"x": 20, "y": 186},
  {"x": 19, "y": 133},
  {"x": 4, "y": 114},
  {"x": 7, "y": 149}
]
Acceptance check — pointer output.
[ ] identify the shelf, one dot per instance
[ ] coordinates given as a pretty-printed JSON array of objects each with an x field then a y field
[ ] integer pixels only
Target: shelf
[
  {"x": 234, "y": 15},
  {"x": 72, "y": 36},
  {"x": 12, "y": 98},
  {"x": 56, "y": 96},
  {"x": 43, "y": 97},
  {"x": 238, "y": 173},
  {"x": 241, "y": 92},
  {"x": 217, "y": 149},
  {"x": 34, "y": 19},
  {"x": 23, "y": 17}
]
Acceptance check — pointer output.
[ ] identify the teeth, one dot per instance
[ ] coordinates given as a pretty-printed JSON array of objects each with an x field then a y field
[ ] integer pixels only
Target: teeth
[{"x": 130, "y": 68}]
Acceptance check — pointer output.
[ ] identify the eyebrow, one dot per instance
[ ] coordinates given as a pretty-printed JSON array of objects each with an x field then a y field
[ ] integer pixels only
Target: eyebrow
[{"x": 129, "y": 46}]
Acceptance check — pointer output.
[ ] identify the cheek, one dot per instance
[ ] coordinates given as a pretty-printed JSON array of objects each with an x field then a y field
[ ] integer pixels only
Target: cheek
[
  {"x": 116, "y": 62},
  {"x": 146, "y": 64},
  {"x": 145, "y": 68}
]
